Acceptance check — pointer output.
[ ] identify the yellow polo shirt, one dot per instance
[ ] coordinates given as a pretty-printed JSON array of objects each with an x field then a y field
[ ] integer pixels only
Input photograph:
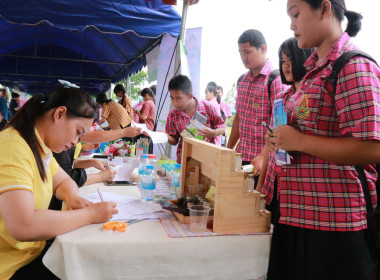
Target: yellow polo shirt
[{"x": 18, "y": 171}]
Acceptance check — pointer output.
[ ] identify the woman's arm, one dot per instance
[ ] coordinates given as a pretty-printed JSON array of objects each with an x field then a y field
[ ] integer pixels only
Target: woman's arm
[
  {"x": 106, "y": 175},
  {"x": 346, "y": 150},
  {"x": 235, "y": 136},
  {"x": 25, "y": 223}
]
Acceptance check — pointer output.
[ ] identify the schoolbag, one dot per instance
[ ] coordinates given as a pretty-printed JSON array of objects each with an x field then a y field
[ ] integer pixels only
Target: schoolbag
[{"x": 333, "y": 79}]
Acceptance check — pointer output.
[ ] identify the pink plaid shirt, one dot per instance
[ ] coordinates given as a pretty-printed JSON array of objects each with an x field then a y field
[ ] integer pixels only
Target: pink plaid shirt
[
  {"x": 216, "y": 105},
  {"x": 254, "y": 107},
  {"x": 177, "y": 121},
  {"x": 273, "y": 169},
  {"x": 315, "y": 193},
  {"x": 148, "y": 110},
  {"x": 225, "y": 107}
]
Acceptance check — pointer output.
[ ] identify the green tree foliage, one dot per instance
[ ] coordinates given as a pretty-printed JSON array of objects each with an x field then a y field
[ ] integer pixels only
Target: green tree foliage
[
  {"x": 137, "y": 83},
  {"x": 230, "y": 96}
]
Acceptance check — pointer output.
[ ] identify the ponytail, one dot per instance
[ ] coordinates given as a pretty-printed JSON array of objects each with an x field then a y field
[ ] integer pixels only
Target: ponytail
[
  {"x": 24, "y": 122},
  {"x": 78, "y": 103},
  {"x": 214, "y": 92},
  {"x": 340, "y": 11},
  {"x": 354, "y": 23}
]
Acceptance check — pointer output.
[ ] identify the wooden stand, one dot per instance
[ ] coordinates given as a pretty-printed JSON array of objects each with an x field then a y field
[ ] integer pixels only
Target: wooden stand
[{"x": 235, "y": 211}]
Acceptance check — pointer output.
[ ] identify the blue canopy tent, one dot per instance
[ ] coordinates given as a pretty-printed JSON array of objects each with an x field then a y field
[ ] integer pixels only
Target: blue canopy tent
[{"x": 91, "y": 43}]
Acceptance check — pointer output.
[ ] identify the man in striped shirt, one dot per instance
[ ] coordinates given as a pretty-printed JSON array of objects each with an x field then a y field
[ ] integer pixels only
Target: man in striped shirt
[{"x": 253, "y": 103}]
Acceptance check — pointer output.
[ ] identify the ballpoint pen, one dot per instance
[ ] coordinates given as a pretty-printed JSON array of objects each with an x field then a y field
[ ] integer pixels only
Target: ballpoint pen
[
  {"x": 267, "y": 126},
  {"x": 100, "y": 195}
]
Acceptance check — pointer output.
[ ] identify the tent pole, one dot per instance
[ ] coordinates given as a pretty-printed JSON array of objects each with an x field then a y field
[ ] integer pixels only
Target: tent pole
[
  {"x": 182, "y": 34},
  {"x": 177, "y": 62}
]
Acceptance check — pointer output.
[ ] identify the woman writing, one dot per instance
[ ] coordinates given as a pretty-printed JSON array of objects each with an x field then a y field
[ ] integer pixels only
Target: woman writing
[
  {"x": 29, "y": 176},
  {"x": 322, "y": 229}
]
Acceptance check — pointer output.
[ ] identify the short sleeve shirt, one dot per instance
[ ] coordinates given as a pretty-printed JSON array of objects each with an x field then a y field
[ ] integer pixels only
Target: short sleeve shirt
[
  {"x": 147, "y": 110},
  {"x": 127, "y": 104},
  {"x": 254, "y": 107},
  {"x": 177, "y": 121},
  {"x": 315, "y": 193},
  {"x": 116, "y": 116},
  {"x": 214, "y": 102},
  {"x": 273, "y": 169},
  {"x": 18, "y": 171}
]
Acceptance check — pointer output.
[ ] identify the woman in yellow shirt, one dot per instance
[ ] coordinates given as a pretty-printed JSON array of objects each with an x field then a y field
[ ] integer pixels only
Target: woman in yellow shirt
[{"x": 29, "y": 176}]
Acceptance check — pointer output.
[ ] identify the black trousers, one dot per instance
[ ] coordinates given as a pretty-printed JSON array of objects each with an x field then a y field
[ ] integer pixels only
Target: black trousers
[{"x": 35, "y": 270}]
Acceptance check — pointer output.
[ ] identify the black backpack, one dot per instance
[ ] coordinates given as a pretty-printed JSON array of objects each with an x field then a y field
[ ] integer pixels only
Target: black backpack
[
  {"x": 373, "y": 218},
  {"x": 332, "y": 79}
]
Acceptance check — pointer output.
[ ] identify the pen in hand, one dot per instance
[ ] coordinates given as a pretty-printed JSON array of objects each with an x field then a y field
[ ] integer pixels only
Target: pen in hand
[
  {"x": 100, "y": 195},
  {"x": 267, "y": 126}
]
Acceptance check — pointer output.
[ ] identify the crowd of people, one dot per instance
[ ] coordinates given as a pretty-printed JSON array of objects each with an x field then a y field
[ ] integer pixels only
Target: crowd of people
[{"x": 318, "y": 205}]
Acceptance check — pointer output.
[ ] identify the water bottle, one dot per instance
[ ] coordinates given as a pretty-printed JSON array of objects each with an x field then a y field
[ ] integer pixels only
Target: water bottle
[
  {"x": 144, "y": 161},
  {"x": 148, "y": 183},
  {"x": 139, "y": 178},
  {"x": 153, "y": 161},
  {"x": 176, "y": 180}
]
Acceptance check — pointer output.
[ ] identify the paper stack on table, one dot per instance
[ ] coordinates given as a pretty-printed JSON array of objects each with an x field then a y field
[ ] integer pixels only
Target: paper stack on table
[
  {"x": 157, "y": 137},
  {"x": 131, "y": 207}
]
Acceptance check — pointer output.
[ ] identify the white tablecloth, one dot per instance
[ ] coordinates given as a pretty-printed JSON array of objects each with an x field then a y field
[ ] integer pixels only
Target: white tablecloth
[{"x": 145, "y": 251}]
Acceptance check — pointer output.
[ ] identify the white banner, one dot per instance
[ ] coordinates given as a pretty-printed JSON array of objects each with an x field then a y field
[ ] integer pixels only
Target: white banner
[
  {"x": 193, "y": 44},
  {"x": 152, "y": 62},
  {"x": 166, "y": 60}
]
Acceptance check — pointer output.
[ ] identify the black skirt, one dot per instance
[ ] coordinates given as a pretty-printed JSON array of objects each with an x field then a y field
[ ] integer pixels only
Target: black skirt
[{"x": 304, "y": 254}]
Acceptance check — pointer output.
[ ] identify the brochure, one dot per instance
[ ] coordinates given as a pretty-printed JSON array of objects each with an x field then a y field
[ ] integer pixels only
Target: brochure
[{"x": 280, "y": 118}]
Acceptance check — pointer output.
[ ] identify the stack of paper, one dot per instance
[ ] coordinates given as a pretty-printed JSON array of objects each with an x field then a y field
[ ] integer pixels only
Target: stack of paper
[{"x": 131, "y": 207}]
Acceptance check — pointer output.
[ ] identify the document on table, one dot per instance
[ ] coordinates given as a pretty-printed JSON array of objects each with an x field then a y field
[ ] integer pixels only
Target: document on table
[
  {"x": 131, "y": 207},
  {"x": 157, "y": 137}
]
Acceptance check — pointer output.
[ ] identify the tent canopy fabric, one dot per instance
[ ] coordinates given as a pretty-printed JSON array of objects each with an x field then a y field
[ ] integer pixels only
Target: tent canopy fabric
[{"x": 90, "y": 43}]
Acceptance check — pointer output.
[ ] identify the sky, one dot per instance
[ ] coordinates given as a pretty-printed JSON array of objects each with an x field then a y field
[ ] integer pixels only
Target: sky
[{"x": 223, "y": 21}]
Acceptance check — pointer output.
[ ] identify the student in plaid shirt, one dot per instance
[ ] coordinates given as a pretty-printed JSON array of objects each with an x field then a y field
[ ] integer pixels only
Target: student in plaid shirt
[
  {"x": 253, "y": 105},
  {"x": 146, "y": 114},
  {"x": 322, "y": 229},
  {"x": 185, "y": 105}
]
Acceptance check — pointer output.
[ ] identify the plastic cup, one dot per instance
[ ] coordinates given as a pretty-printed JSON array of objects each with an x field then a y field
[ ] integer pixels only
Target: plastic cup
[{"x": 198, "y": 218}]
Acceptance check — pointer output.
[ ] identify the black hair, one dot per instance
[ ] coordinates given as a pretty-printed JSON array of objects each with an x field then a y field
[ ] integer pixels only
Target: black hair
[
  {"x": 219, "y": 88},
  {"x": 212, "y": 84},
  {"x": 254, "y": 37},
  {"x": 181, "y": 82},
  {"x": 102, "y": 98},
  {"x": 119, "y": 87},
  {"x": 340, "y": 11},
  {"x": 148, "y": 91},
  {"x": 239, "y": 79},
  {"x": 14, "y": 95},
  {"x": 153, "y": 88},
  {"x": 297, "y": 58},
  {"x": 78, "y": 103},
  {"x": 214, "y": 92}
]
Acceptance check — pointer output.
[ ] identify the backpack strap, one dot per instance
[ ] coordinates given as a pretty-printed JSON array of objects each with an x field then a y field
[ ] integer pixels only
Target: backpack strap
[
  {"x": 341, "y": 61},
  {"x": 364, "y": 182},
  {"x": 273, "y": 75},
  {"x": 333, "y": 79}
]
